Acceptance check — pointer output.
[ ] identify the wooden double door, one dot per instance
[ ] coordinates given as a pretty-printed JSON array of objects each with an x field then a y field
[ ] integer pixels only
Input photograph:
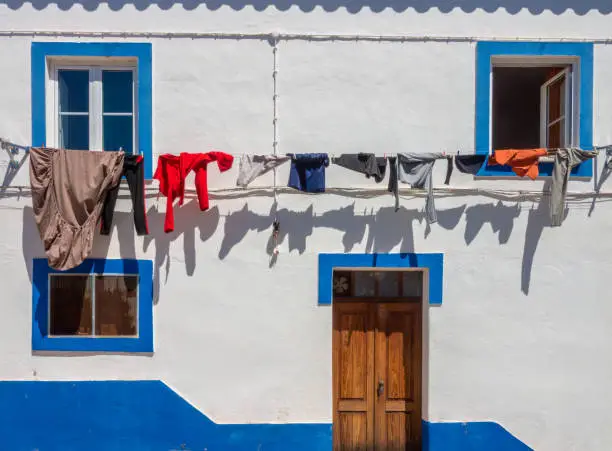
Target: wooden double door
[{"x": 377, "y": 374}]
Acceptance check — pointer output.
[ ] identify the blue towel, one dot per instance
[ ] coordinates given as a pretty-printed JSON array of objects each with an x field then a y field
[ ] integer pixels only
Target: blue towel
[{"x": 308, "y": 172}]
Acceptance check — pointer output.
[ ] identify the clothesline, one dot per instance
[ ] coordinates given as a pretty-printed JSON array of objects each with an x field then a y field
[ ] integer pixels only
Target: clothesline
[
  {"x": 15, "y": 148},
  {"x": 152, "y": 191}
]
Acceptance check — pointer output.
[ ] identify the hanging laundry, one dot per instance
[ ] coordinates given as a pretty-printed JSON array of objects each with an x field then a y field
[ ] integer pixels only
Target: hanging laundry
[
  {"x": 253, "y": 166},
  {"x": 469, "y": 164},
  {"x": 415, "y": 169},
  {"x": 308, "y": 172},
  {"x": 392, "y": 186},
  {"x": 68, "y": 191},
  {"x": 523, "y": 162},
  {"x": 364, "y": 163},
  {"x": 173, "y": 169},
  {"x": 565, "y": 161},
  {"x": 133, "y": 170}
]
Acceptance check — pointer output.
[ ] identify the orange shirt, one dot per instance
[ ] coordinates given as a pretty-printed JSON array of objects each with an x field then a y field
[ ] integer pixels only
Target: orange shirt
[{"x": 523, "y": 162}]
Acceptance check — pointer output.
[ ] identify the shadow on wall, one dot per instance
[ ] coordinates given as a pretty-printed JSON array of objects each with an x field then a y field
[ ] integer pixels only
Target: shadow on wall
[
  {"x": 383, "y": 231},
  {"x": 352, "y": 6},
  {"x": 187, "y": 219}
]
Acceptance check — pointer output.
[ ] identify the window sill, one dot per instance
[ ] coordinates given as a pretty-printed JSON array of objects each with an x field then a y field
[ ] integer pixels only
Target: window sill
[
  {"x": 91, "y": 344},
  {"x": 582, "y": 171}
]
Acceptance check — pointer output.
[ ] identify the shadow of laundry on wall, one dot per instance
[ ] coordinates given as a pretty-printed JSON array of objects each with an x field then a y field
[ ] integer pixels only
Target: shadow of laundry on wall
[
  {"x": 537, "y": 219},
  {"x": 385, "y": 229},
  {"x": 31, "y": 244},
  {"x": 11, "y": 173},
  {"x": 238, "y": 223},
  {"x": 501, "y": 218},
  {"x": 295, "y": 226},
  {"x": 449, "y": 219},
  {"x": 391, "y": 228},
  {"x": 187, "y": 219},
  {"x": 353, "y": 225}
]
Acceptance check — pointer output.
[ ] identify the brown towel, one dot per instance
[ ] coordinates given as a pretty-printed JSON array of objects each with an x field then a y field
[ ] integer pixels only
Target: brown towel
[{"x": 68, "y": 192}]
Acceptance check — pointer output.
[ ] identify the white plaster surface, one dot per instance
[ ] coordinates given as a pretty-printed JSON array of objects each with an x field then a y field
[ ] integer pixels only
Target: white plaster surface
[{"x": 523, "y": 333}]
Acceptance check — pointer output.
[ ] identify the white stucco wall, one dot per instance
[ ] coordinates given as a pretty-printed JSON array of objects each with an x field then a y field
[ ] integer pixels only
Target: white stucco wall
[{"x": 523, "y": 332}]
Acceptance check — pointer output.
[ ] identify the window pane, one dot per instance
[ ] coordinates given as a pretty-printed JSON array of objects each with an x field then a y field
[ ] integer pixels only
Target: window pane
[
  {"x": 70, "y": 305},
  {"x": 73, "y": 91},
  {"x": 365, "y": 284},
  {"x": 117, "y": 91},
  {"x": 342, "y": 283},
  {"x": 118, "y": 132},
  {"x": 556, "y": 135},
  {"x": 74, "y": 132},
  {"x": 556, "y": 99},
  {"x": 412, "y": 283},
  {"x": 116, "y": 305},
  {"x": 388, "y": 285}
]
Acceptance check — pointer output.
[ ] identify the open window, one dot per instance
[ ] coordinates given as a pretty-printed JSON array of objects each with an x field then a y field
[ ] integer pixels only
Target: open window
[
  {"x": 532, "y": 106},
  {"x": 531, "y": 95}
]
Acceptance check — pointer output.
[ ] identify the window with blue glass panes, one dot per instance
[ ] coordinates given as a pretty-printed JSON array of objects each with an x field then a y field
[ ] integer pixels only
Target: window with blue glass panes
[{"x": 95, "y": 108}]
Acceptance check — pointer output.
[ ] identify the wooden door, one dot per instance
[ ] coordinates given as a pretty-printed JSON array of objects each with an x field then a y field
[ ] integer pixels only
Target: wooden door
[
  {"x": 377, "y": 376},
  {"x": 353, "y": 373},
  {"x": 398, "y": 377}
]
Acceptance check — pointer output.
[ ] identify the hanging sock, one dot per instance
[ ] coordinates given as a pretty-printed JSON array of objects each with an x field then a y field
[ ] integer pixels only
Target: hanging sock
[
  {"x": 393, "y": 187},
  {"x": 68, "y": 192},
  {"x": 449, "y": 169},
  {"x": 523, "y": 162},
  {"x": 415, "y": 169},
  {"x": 364, "y": 163},
  {"x": 469, "y": 164},
  {"x": 173, "y": 169},
  {"x": 253, "y": 166},
  {"x": 308, "y": 172},
  {"x": 565, "y": 161},
  {"x": 133, "y": 170}
]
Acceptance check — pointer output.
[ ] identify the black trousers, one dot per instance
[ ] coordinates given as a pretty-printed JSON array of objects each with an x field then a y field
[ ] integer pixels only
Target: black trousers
[{"x": 133, "y": 170}]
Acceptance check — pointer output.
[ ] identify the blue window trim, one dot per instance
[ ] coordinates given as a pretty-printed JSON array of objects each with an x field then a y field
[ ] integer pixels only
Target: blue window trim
[
  {"x": 434, "y": 262},
  {"x": 40, "y": 310},
  {"x": 485, "y": 50},
  {"x": 141, "y": 51}
]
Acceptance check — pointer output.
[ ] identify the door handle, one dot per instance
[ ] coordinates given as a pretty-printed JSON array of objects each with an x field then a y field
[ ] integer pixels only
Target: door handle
[{"x": 381, "y": 388}]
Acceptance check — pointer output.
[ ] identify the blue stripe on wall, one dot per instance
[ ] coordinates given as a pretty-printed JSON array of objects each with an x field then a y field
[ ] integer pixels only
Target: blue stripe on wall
[{"x": 148, "y": 415}]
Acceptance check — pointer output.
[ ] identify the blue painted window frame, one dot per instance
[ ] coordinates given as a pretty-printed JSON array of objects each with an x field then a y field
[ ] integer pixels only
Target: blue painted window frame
[
  {"x": 486, "y": 50},
  {"x": 42, "y": 51},
  {"x": 40, "y": 307},
  {"x": 433, "y": 262}
]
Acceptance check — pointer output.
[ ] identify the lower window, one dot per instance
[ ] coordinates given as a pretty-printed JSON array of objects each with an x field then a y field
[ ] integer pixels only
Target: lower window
[{"x": 102, "y": 305}]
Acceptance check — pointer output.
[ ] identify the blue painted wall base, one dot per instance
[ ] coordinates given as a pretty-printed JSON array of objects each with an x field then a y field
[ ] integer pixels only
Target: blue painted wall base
[{"x": 148, "y": 415}]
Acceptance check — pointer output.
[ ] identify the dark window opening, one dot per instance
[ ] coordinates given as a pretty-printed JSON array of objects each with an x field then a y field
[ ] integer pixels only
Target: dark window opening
[
  {"x": 518, "y": 96},
  {"x": 93, "y": 305}
]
